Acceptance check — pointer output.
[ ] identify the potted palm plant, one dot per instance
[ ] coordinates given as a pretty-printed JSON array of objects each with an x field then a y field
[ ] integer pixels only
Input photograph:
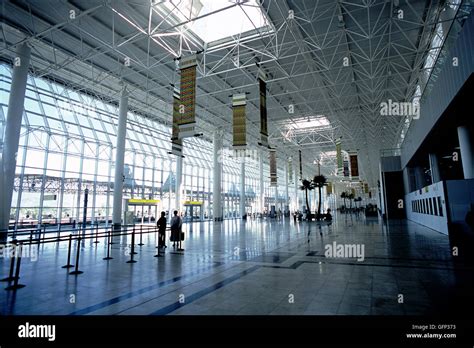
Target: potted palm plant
[
  {"x": 306, "y": 186},
  {"x": 350, "y": 196},
  {"x": 344, "y": 197},
  {"x": 319, "y": 181}
]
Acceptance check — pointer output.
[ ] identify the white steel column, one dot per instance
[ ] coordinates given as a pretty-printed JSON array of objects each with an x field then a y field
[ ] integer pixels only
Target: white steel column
[
  {"x": 419, "y": 177},
  {"x": 217, "y": 177},
  {"x": 12, "y": 134},
  {"x": 466, "y": 152},
  {"x": 296, "y": 202},
  {"x": 242, "y": 188},
  {"x": 119, "y": 160},
  {"x": 287, "y": 194},
  {"x": 178, "y": 188},
  {"x": 261, "y": 199},
  {"x": 276, "y": 198},
  {"x": 434, "y": 167}
]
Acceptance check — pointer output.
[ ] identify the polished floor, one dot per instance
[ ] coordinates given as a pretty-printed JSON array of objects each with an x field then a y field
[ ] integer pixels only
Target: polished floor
[{"x": 257, "y": 267}]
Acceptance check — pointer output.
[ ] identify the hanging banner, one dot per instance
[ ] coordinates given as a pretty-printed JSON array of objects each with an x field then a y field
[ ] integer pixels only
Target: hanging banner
[
  {"x": 354, "y": 165},
  {"x": 346, "y": 168},
  {"x": 301, "y": 166},
  {"x": 176, "y": 142},
  {"x": 273, "y": 168},
  {"x": 353, "y": 191},
  {"x": 290, "y": 170},
  {"x": 188, "y": 97},
  {"x": 366, "y": 188},
  {"x": 340, "y": 167},
  {"x": 329, "y": 188},
  {"x": 239, "y": 125},
  {"x": 263, "y": 109}
]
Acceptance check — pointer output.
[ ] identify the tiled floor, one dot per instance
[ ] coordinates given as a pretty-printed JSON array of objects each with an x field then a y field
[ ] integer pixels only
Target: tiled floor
[{"x": 253, "y": 268}]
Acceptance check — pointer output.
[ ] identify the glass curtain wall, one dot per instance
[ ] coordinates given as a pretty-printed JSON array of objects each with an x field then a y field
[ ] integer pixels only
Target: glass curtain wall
[{"x": 67, "y": 145}]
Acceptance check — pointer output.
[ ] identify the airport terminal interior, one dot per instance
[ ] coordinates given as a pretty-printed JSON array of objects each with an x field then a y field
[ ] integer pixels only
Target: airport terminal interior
[{"x": 231, "y": 157}]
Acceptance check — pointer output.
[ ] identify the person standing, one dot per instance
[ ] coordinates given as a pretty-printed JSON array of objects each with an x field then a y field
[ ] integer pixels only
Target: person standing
[
  {"x": 176, "y": 223},
  {"x": 161, "y": 224}
]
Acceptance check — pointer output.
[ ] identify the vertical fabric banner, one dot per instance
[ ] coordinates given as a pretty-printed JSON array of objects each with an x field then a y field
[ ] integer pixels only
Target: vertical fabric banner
[
  {"x": 301, "y": 166},
  {"x": 263, "y": 109},
  {"x": 354, "y": 165},
  {"x": 176, "y": 141},
  {"x": 239, "y": 122},
  {"x": 366, "y": 188},
  {"x": 340, "y": 165},
  {"x": 273, "y": 168},
  {"x": 353, "y": 191},
  {"x": 329, "y": 188},
  {"x": 188, "y": 97},
  {"x": 346, "y": 168}
]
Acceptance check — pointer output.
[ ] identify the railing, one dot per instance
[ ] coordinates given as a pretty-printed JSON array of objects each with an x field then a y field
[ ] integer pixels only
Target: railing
[{"x": 38, "y": 236}]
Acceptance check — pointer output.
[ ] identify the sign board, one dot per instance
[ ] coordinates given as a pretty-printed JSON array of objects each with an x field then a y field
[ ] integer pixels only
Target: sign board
[
  {"x": 192, "y": 203},
  {"x": 50, "y": 197},
  {"x": 354, "y": 166},
  {"x": 143, "y": 201}
]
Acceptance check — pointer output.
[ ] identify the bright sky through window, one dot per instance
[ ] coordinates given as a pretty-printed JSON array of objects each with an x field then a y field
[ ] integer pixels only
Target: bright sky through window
[
  {"x": 231, "y": 18},
  {"x": 309, "y": 122},
  {"x": 328, "y": 154}
]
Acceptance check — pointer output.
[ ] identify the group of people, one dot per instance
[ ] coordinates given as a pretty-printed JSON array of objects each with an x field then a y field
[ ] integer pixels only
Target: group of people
[
  {"x": 306, "y": 215},
  {"x": 177, "y": 235}
]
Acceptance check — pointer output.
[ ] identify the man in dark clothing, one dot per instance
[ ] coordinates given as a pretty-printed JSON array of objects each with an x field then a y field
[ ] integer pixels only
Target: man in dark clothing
[
  {"x": 175, "y": 224},
  {"x": 161, "y": 230}
]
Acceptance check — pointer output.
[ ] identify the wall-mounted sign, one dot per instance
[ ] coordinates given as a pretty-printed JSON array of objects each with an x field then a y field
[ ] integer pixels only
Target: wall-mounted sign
[
  {"x": 192, "y": 203},
  {"x": 354, "y": 165},
  {"x": 143, "y": 201}
]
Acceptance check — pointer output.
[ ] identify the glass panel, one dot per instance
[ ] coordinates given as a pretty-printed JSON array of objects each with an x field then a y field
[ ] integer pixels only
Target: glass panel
[
  {"x": 109, "y": 128},
  {"x": 40, "y": 83},
  {"x": 32, "y": 105},
  {"x": 34, "y": 161},
  {"x": 35, "y": 120},
  {"x": 54, "y": 163},
  {"x": 88, "y": 133}
]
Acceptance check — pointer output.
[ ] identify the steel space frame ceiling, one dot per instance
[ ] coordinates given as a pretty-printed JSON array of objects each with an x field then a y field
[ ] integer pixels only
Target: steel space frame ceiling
[{"x": 303, "y": 53}]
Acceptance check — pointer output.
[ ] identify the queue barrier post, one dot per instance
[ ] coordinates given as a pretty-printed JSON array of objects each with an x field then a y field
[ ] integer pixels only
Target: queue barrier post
[
  {"x": 78, "y": 252},
  {"x": 68, "y": 264}
]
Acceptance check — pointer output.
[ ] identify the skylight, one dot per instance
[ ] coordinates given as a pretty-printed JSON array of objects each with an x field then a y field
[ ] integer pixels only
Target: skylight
[
  {"x": 328, "y": 154},
  {"x": 218, "y": 19},
  {"x": 309, "y": 122}
]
